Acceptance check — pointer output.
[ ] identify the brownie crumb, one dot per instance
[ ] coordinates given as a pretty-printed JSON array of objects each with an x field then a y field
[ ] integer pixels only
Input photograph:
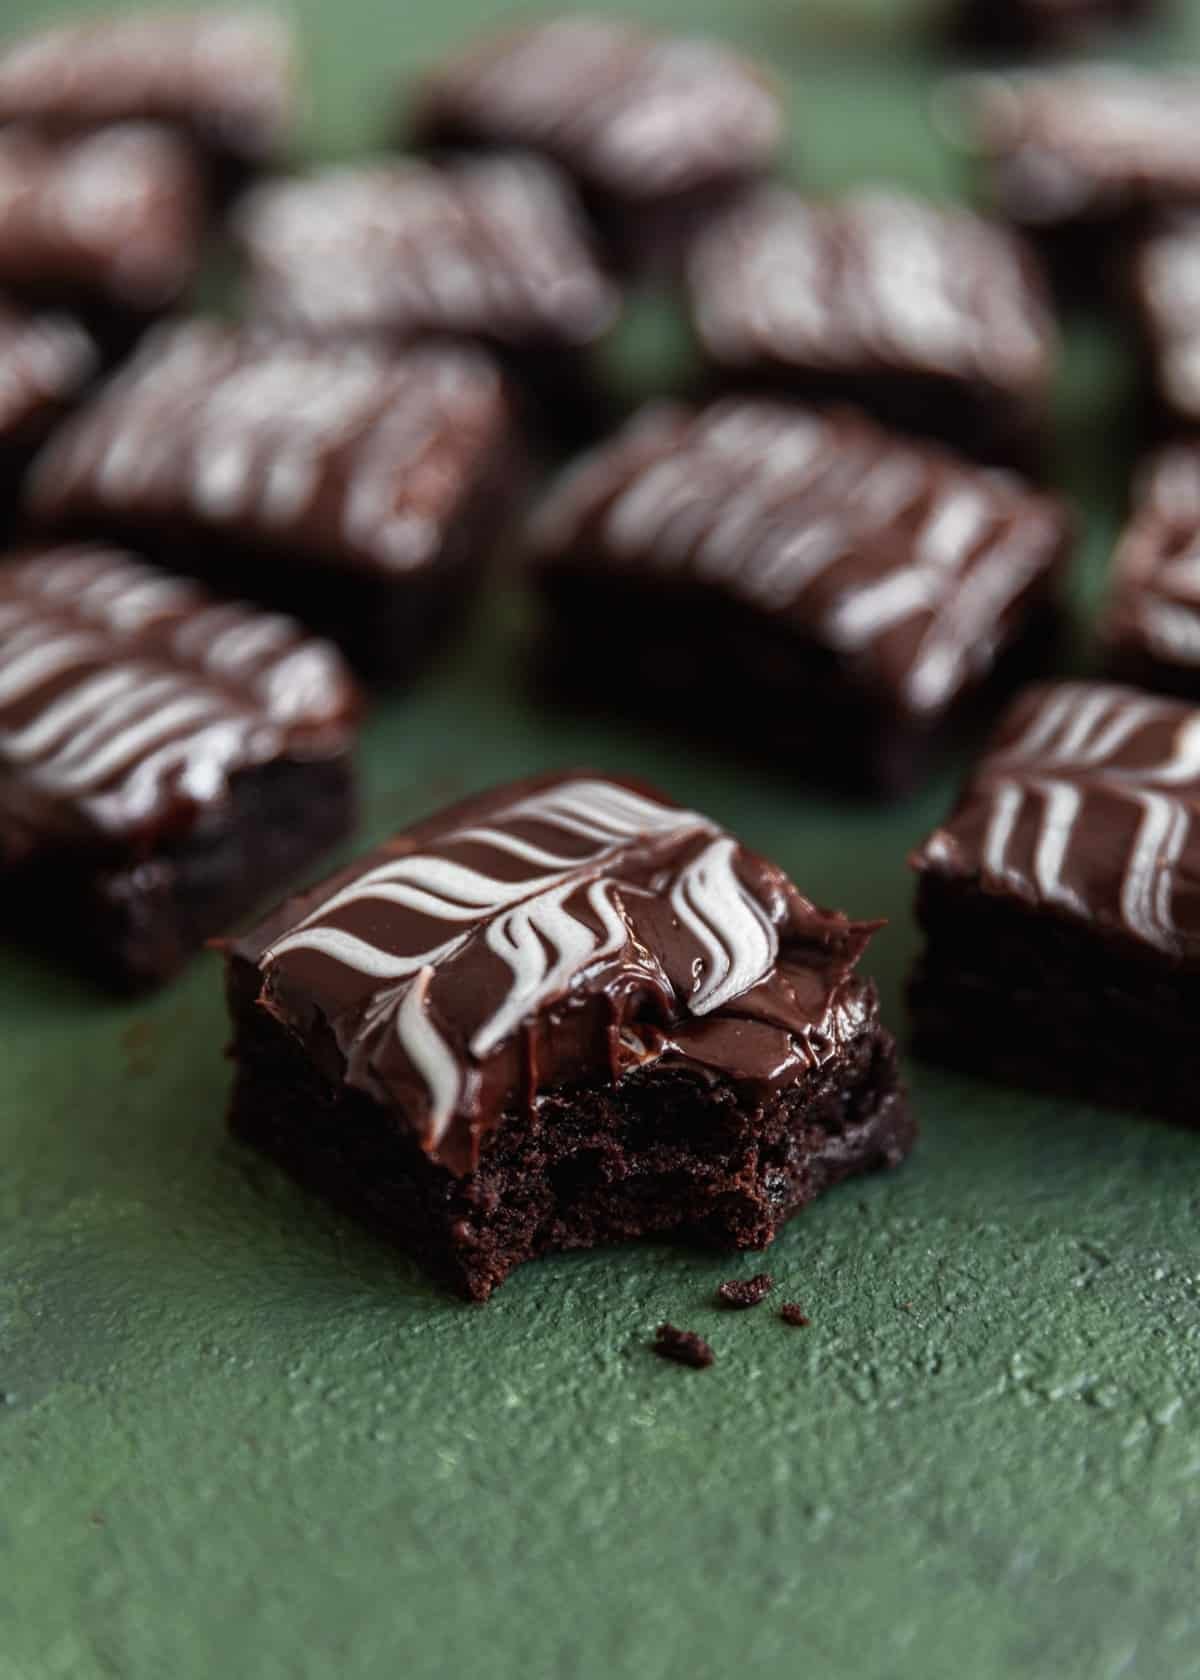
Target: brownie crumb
[
  {"x": 745, "y": 1292},
  {"x": 791, "y": 1312},
  {"x": 683, "y": 1346}
]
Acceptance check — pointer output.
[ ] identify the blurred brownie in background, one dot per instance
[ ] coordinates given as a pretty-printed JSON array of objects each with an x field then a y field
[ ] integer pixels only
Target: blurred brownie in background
[
  {"x": 797, "y": 584},
  {"x": 358, "y": 489},
  {"x": 494, "y": 249},
  {"x": 108, "y": 224},
  {"x": 656, "y": 132},
  {"x": 1151, "y": 628},
  {"x": 1165, "y": 297},
  {"x": 933, "y": 319},
  {"x": 165, "y": 759},
  {"x": 1082, "y": 158},
  {"x": 46, "y": 362},
  {"x": 226, "y": 79}
]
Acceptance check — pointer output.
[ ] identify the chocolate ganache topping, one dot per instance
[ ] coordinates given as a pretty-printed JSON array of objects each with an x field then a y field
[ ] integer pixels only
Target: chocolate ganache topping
[
  {"x": 128, "y": 697},
  {"x": 1087, "y": 803},
  {"x": 565, "y": 929},
  {"x": 909, "y": 564}
]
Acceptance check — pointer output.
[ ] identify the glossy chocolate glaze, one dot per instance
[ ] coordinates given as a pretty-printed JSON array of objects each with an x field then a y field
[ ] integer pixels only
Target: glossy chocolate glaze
[
  {"x": 875, "y": 282},
  {"x": 345, "y": 457},
  {"x": 630, "y": 115},
  {"x": 115, "y": 216},
  {"x": 566, "y": 929},
  {"x": 226, "y": 77},
  {"x": 129, "y": 698},
  {"x": 1086, "y": 806},
  {"x": 908, "y": 566},
  {"x": 495, "y": 248}
]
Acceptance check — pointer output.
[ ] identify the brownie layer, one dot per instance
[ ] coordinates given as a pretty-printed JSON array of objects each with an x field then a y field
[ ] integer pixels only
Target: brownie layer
[
  {"x": 1028, "y": 998},
  {"x": 660, "y": 1152},
  {"x": 779, "y": 695},
  {"x": 134, "y": 923}
]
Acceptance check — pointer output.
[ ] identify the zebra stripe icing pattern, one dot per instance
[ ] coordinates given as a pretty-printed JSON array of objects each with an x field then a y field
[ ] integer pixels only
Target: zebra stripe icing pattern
[
  {"x": 1088, "y": 802},
  {"x": 124, "y": 690},
  {"x": 438, "y": 958}
]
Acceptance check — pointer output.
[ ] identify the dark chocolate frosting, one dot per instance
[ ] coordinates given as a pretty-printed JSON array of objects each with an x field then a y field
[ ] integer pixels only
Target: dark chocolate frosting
[
  {"x": 907, "y": 564},
  {"x": 1154, "y": 606},
  {"x": 343, "y": 454},
  {"x": 491, "y": 247},
  {"x": 1084, "y": 143},
  {"x": 567, "y": 929},
  {"x": 1087, "y": 806},
  {"x": 873, "y": 281},
  {"x": 117, "y": 215},
  {"x": 634, "y": 115},
  {"x": 228, "y": 77},
  {"x": 45, "y": 362},
  {"x": 128, "y": 697}
]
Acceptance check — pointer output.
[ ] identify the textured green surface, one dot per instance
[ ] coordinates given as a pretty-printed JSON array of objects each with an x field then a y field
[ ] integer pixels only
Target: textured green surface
[{"x": 237, "y": 1438}]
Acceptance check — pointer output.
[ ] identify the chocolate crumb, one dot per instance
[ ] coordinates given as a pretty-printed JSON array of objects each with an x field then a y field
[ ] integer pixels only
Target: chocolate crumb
[
  {"x": 791, "y": 1312},
  {"x": 683, "y": 1346},
  {"x": 745, "y": 1292}
]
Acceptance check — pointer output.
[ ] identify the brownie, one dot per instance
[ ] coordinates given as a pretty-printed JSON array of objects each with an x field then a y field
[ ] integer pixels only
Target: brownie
[
  {"x": 563, "y": 1013},
  {"x": 740, "y": 1293},
  {"x": 358, "y": 489},
  {"x": 796, "y": 583},
  {"x": 1043, "y": 25},
  {"x": 1151, "y": 627},
  {"x": 166, "y": 759},
  {"x": 656, "y": 132},
  {"x": 46, "y": 362},
  {"x": 1060, "y": 903},
  {"x": 108, "y": 224},
  {"x": 495, "y": 249},
  {"x": 1082, "y": 159},
  {"x": 933, "y": 319},
  {"x": 226, "y": 80}
]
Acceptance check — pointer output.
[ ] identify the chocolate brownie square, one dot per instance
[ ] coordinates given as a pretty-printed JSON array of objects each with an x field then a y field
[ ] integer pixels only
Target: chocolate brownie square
[
  {"x": 1060, "y": 903},
  {"x": 226, "y": 80},
  {"x": 795, "y": 582},
  {"x": 1151, "y": 627},
  {"x": 562, "y": 1014},
  {"x": 494, "y": 249},
  {"x": 656, "y": 132},
  {"x": 358, "y": 489},
  {"x": 1082, "y": 159},
  {"x": 932, "y": 319},
  {"x": 108, "y": 224},
  {"x": 166, "y": 759}
]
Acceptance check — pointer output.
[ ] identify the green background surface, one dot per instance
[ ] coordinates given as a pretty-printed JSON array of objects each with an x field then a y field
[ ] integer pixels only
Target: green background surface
[{"x": 237, "y": 1438}]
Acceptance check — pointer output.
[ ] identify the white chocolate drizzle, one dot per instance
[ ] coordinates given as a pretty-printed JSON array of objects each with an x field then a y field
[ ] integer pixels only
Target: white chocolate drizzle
[
  {"x": 346, "y": 443},
  {"x": 558, "y": 917},
  {"x": 118, "y": 682},
  {"x": 1082, "y": 743}
]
